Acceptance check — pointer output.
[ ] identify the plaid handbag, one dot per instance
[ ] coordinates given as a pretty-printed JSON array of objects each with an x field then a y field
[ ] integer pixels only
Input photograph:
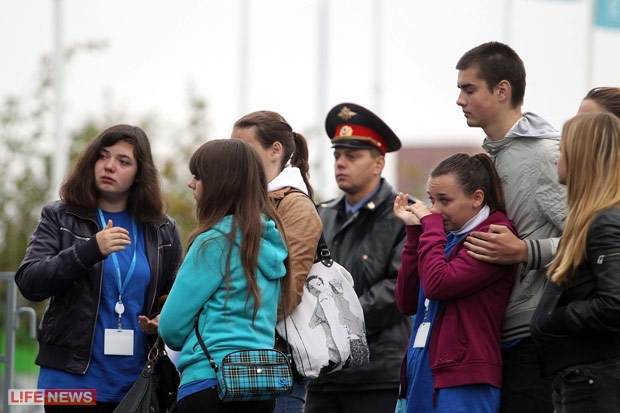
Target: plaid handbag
[
  {"x": 254, "y": 375},
  {"x": 249, "y": 375}
]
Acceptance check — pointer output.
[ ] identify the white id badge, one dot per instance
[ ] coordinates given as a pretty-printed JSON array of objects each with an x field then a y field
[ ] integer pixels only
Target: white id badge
[
  {"x": 421, "y": 335},
  {"x": 118, "y": 342}
]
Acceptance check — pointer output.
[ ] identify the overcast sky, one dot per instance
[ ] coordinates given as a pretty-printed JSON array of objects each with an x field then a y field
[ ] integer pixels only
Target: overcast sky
[{"x": 396, "y": 57}]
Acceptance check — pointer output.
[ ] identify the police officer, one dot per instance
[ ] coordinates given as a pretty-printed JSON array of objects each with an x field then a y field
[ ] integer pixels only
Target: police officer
[{"x": 367, "y": 239}]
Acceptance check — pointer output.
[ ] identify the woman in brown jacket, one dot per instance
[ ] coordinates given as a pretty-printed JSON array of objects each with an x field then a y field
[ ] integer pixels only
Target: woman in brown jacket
[{"x": 285, "y": 157}]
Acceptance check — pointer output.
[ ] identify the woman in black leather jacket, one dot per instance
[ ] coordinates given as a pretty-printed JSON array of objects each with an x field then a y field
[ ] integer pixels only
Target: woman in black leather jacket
[
  {"x": 576, "y": 325},
  {"x": 103, "y": 255}
]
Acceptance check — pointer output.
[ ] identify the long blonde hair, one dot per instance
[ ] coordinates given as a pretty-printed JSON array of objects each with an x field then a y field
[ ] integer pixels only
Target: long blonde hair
[{"x": 590, "y": 147}]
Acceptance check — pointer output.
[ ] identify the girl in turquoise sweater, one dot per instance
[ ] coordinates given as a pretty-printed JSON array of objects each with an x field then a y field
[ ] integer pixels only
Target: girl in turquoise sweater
[{"x": 231, "y": 273}]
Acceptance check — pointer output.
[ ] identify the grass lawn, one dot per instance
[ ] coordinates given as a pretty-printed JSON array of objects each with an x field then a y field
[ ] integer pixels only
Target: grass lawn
[{"x": 25, "y": 352}]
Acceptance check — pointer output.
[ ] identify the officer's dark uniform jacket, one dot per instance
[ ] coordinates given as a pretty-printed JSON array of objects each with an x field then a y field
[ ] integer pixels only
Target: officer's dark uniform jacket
[
  {"x": 369, "y": 245},
  {"x": 63, "y": 263}
]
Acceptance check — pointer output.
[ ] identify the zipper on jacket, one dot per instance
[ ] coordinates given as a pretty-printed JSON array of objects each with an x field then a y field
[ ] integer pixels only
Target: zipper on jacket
[
  {"x": 92, "y": 340},
  {"x": 74, "y": 234},
  {"x": 601, "y": 258},
  {"x": 159, "y": 269}
]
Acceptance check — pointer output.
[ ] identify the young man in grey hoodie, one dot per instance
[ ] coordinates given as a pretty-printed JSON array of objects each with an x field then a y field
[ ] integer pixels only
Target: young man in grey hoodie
[{"x": 524, "y": 146}]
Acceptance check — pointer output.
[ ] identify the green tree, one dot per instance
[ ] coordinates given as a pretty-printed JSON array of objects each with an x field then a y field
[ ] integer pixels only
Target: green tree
[
  {"x": 174, "y": 166},
  {"x": 25, "y": 168},
  {"x": 24, "y": 177}
]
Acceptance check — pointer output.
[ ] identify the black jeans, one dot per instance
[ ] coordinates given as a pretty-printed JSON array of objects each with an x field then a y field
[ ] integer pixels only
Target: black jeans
[
  {"x": 523, "y": 389},
  {"x": 207, "y": 401},
  {"x": 588, "y": 388},
  {"x": 363, "y": 401}
]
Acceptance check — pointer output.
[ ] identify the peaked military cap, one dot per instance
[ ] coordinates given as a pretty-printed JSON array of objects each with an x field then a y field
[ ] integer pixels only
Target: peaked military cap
[{"x": 353, "y": 126}]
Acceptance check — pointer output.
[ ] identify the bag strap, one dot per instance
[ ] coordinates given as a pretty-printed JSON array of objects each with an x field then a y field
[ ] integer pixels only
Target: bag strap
[
  {"x": 212, "y": 362},
  {"x": 156, "y": 351},
  {"x": 202, "y": 344},
  {"x": 322, "y": 251},
  {"x": 289, "y": 354},
  {"x": 279, "y": 200}
]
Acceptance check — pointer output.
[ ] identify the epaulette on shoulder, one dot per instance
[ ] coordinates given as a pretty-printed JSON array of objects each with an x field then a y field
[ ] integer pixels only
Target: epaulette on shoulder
[{"x": 328, "y": 203}]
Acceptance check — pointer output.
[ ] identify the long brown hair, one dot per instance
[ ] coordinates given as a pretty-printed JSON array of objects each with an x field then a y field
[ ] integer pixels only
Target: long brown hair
[
  {"x": 233, "y": 183},
  {"x": 271, "y": 127},
  {"x": 590, "y": 148},
  {"x": 145, "y": 202}
]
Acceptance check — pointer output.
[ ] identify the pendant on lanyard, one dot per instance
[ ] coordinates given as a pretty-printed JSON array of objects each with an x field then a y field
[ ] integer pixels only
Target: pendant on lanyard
[{"x": 119, "y": 307}]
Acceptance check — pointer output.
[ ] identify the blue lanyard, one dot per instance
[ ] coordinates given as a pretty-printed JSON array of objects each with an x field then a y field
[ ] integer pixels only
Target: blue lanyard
[{"x": 121, "y": 285}]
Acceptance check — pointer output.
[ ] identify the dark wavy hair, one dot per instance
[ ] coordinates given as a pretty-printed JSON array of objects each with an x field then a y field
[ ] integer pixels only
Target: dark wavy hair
[{"x": 145, "y": 202}]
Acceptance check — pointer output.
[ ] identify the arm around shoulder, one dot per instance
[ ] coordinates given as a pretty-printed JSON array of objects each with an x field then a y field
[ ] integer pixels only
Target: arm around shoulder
[{"x": 540, "y": 252}]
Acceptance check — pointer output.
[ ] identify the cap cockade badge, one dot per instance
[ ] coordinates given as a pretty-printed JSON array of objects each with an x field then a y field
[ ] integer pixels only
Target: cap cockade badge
[
  {"x": 346, "y": 114},
  {"x": 346, "y": 130}
]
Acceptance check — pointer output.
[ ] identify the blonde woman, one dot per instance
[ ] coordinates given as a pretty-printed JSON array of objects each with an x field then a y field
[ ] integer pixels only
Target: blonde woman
[{"x": 576, "y": 325}]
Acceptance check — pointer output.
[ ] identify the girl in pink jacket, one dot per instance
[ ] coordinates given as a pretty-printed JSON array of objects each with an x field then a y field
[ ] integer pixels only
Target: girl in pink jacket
[{"x": 453, "y": 361}]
